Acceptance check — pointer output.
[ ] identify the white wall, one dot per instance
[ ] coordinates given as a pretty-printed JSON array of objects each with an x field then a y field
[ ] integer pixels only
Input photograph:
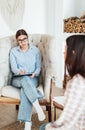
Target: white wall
[
  {"x": 80, "y": 7},
  {"x": 45, "y": 16},
  {"x": 55, "y": 27},
  {"x": 50, "y": 10},
  {"x": 73, "y": 8},
  {"x": 35, "y": 16},
  {"x": 34, "y": 20}
]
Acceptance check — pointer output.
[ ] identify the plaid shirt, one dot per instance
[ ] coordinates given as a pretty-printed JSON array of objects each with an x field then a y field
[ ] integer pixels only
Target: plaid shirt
[{"x": 73, "y": 115}]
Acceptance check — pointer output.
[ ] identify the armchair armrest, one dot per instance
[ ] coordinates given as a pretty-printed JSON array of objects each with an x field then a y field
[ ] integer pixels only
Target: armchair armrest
[{"x": 48, "y": 85}]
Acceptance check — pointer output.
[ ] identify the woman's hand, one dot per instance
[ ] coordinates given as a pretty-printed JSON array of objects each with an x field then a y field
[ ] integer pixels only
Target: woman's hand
[
  {"x": 33, "y": 75},
  {"x": 49, "y": 127},
  {"x": 22, "y": 72},
  {"x": 53, "y": 126}
]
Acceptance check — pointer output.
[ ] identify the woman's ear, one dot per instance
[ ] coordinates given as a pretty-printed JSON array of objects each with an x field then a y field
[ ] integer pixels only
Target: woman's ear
[{"x": 73, "y": 52}]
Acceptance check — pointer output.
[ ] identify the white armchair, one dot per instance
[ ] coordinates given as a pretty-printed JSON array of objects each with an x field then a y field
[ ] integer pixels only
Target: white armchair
[{"x": 47, "y": 46}]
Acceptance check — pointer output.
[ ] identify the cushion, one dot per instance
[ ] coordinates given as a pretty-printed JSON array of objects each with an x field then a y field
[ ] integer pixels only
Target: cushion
[
  {"x": 0, "y": 91},
  {"x": 59, "y": 99},
  {"x": 40, "y": 88},
  {"x": 10, "y": 91},
  {"x": 5, "y": 46},
  {"x": 2, "y": 81}
]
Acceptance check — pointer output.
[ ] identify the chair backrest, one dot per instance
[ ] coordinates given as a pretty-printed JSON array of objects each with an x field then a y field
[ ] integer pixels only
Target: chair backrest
[{"x": 45, "y": 43}]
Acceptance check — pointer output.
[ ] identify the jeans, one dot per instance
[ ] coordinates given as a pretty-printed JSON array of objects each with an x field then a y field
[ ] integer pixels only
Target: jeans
[{"x": 28, "y": 95}]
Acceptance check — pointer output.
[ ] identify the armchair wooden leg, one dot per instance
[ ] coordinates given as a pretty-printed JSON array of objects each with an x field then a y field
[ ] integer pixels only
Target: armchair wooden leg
[
  {"x": 17, "y": 107},
  {"x": 48, "y": 108},
  {"x": 54, "y": 113}
]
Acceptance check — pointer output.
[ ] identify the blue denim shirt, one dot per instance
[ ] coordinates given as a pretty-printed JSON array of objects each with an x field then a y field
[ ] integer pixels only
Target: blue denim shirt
[{"x": 30, "y": 61}]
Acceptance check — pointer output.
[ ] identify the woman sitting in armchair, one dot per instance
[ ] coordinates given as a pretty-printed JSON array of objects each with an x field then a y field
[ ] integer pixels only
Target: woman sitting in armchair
[{"x": 25, "y": 61}]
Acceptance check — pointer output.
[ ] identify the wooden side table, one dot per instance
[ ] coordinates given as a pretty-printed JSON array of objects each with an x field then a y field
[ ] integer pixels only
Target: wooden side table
[{"x": 56, "y": 105}]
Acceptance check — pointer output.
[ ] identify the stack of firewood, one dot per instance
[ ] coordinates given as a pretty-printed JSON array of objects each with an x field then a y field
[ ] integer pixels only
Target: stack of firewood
[{"x": 74, "y": 25}]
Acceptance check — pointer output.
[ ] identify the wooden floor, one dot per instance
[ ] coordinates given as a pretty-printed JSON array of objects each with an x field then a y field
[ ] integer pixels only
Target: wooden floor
[{"x": 8, "y": 114}]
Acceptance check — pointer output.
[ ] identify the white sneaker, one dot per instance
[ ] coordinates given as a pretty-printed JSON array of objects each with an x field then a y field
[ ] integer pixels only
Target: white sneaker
[
  {"x": 41, "y": 116},
  {"x": 27, "y": 126}
]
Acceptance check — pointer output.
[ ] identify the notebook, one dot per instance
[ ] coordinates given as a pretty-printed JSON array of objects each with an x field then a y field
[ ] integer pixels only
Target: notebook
[{"x": 22, "y": 75}]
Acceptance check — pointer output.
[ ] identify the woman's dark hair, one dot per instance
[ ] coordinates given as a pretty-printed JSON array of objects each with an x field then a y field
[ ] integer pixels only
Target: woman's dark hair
[
  {"x": 21, "y": 32},
  {"x": 75, "y": 59}
]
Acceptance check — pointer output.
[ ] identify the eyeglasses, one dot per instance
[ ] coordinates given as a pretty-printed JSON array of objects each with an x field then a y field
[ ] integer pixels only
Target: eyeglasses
[{"x": 22, "y": 40}]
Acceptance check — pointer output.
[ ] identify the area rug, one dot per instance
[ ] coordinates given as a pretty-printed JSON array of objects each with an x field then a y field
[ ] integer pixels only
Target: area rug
[{"x": 20, "y": 126}]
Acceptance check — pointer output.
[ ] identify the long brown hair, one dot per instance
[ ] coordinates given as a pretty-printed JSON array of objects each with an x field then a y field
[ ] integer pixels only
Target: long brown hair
[{"x": 75, "y": 59}]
